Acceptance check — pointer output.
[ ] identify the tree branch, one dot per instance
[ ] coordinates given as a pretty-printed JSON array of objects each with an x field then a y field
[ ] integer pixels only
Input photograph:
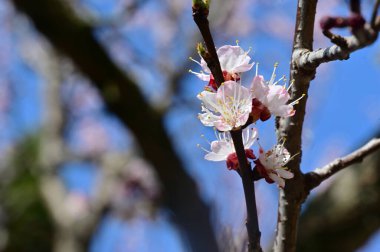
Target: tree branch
[
  {"x": 71, "y": 233},
  {"x": 200, "y": 14},
  {"x": 362, "y": 36},
  {"x": 319, "y": 175},
  {"x": 76, "y": 39},
  {"x": 349, "y": 209},
  {"x": 252, "y": 223},
  {"x": 355, "y": 6},
  {"x": 303, "y": 68},
  {"x": 292, "y": 196},
  {"x": 374, "y": 14},
  {"x": 310, "y": 60}
]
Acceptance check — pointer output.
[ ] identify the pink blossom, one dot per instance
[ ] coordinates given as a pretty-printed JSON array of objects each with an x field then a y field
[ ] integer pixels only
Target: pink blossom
[
  {"x": 233, "y": 61},
  {"x": 223, "y": 148},
  {"x": 270, "y": 98},
  {"x": 228, "y": 108},
  {"x": 270, "y": 165}
]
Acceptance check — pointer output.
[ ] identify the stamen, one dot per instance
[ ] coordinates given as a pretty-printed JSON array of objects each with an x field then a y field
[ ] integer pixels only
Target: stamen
[
  {"x": 273, "y": 74},
  {"x": 216, "y": 134},
  {"x": 292, "y": 157},
  {"x": 282, "y": 78},
  {"x": 261, "y": 150},
  {"x": 191, "y": 71},
  {"x": 257, "y": 68},
  {"x": 203, "y": 136},
  {"x": 296, "y": 101},
  {"x": 190, "y": 58},
  {"x": 237, "y": 42},
  {"x": 290, "y": 85},
  {"x": 283, "y": 141},
  {"x": 249, "y": 49},
  {"x": 202, "y": 148}
]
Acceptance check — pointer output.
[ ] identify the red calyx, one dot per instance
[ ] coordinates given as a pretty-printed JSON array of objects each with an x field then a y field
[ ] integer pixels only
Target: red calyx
[
  {"x": 232, "y": 160},
  {"x": 227, "y": 77},
  {"x": 259, "y": 111},
  {"x": 262, "y": 171}
]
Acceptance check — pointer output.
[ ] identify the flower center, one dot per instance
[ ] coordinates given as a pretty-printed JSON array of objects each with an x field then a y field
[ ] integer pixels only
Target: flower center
[
  {"x": 232, "y": 160},
  {"x": 211, "y": 86},
  {"x": 259, "y": 111}
]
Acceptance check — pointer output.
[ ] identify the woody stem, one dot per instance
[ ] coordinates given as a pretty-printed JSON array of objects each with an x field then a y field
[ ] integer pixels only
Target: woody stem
[{"x": 252, "y": 223}]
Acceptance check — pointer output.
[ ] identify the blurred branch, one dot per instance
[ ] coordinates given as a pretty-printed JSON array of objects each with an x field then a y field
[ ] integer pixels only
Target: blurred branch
[
  {"x": 319, "y": 175},
  {"x": 76, "y": 39},
  {"x": 72, "y": 233},
  {"x": 27, "y": 221},
  {"x": 349, "y": 209}
]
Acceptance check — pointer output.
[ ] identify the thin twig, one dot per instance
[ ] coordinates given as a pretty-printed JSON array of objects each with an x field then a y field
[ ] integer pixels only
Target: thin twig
[
  {"x": 309, "y": 60},
  {"x": 363, "y": 35},
  {"x": 319, "y": 175},
  {"x": 200, "y": 14},
  {"x": 355, "y": 6},
  {"x": 374, "y": 13},
  {"x": 252, "y": 223},
  {"x": 212, "y": 60}
]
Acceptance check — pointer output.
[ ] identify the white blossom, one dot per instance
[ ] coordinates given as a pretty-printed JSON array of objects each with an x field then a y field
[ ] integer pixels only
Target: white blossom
[
  {"x": 274, "y": 97},
  {"x": 223, "y": 148},
  {"x": 233, "y": 61},
  {"x": 271, "y": 165},
  {"x": 228, "y": 108}
]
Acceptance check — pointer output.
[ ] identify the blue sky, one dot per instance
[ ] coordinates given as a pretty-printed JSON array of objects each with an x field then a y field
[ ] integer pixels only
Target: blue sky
[{"x": 343, "y": 111}]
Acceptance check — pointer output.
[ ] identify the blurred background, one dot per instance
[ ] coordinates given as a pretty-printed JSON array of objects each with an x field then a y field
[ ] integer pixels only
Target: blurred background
[{"x": 84, "y": 167}]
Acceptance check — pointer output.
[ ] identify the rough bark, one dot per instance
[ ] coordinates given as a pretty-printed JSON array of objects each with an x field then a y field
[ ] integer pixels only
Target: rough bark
[
  {"x": 293, "y": 195},
  {"x": 303, "y": 68}
]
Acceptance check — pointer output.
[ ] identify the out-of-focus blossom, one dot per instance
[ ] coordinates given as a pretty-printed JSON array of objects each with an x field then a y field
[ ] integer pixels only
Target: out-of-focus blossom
[
  {"x": 91, "y": 137},
  {"x": 223, "y": 148},
  {"x": 270, "y": 165},
  {"x": 233, "y": 61},
  {"x": 139, "y": 192},
  {"x": 228, "y": 108},
  {"x": 270, "y": 98},
  {"x": 76, "y": 204}
]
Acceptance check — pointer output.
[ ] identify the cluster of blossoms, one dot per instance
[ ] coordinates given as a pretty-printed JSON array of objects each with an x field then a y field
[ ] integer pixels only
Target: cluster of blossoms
[{"x": 232, "y": 106}]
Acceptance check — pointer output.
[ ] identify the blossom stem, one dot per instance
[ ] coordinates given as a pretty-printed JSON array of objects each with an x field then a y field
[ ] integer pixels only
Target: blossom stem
[
  {"x": 252, "y": 223},
  {"x": 211, "y": 57}
]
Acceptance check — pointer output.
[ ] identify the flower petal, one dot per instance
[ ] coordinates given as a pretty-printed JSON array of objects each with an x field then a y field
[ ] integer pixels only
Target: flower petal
[
  {"x": 259, "y": 88},
  {"x": 283, "y": 111},
  {"x": 277, "y": 179},
  {"x": 209, "y": 100},
  {"x": 208, "y": 118},
  {"x": 284, "y": 173},
  {"x": 222, "y": 125},
  {"x": 234, "y": 59},
  {"x": 251, "y": 138}
]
